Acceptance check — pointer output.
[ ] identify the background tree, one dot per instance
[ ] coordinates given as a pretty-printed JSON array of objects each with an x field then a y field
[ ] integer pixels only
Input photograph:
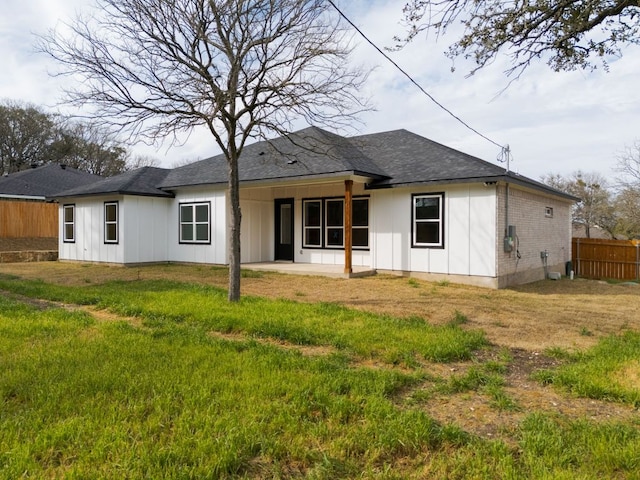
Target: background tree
[
  {"x": 30, "y": 136},
  {"x": 628, "y": 165},
  {"x": 595, "y": 208},
  {"x": 627, "y": 202},
  {"x": 627, "y": 211},
  {"x": 569, "y": 34},
  {"x": 88, "y": 147},
  {"x": 25, "y": 136},
  {"x": 243, "y": 68}
]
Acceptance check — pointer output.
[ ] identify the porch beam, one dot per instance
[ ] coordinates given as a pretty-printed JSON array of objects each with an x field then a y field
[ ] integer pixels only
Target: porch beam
[{"x": 348, "y": 223}]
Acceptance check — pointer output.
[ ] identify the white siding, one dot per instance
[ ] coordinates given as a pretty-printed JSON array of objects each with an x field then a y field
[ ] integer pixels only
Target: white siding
[
  {"x": 390, "y": 220},
  {"x": 482, "y": 227},
  {"x": 149, "y": 229},
  {"x": 457, "y": 221},
  {"x": 469, "y": 232},
  {"x": 258, "y": 234},
  {"x": 257, "y": 228},
  {"x": 215, "y": 252},
  {"x": 143, "y": 228},
  {"x": 89, "y": 245}
]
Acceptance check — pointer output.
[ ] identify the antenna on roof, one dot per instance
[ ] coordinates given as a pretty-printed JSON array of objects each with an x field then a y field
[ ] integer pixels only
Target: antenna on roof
[{"x": 505, "y": 156}]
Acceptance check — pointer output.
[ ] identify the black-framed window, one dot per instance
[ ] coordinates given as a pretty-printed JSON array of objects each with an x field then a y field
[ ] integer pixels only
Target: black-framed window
[
  {"x": 111, "y": 215},
  {"x": 360, "y": 223},
  {"x": 428, "y": 220},
  {"x": 69, "y": 223},
  {"x": 323, "y": 223},
  {"x": 334, "y": 222},
  {"x": 312, "y": 223},
  {"x": 195, "y": 222}
]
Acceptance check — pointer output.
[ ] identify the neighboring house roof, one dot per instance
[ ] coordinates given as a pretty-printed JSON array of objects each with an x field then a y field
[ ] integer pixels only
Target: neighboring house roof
[
  {"x": 580, "y": 231},
  {"x": 142, "y": 181},
  {"x": 388, "y": 159},
  {"x": 45, "y": 181}
]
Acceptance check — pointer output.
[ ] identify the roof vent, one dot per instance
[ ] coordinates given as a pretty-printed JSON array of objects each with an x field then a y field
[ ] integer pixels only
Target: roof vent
[
  {"x": 291, "y": 162},
  {"x": 261, "y": 153}
]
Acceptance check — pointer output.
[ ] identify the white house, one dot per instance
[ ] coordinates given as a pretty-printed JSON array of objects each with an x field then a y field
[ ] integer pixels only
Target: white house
[{"x": 417, "y": 208}]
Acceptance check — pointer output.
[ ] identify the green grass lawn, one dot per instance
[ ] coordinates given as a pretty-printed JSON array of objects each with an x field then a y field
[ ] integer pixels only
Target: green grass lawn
[{"x": 166, "y": 397}]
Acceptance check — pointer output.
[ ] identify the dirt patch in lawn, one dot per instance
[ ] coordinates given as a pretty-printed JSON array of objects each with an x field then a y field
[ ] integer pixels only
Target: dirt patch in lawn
[
  {"x": 523, "y": 321},
  {"x": 566, "y": 314}
]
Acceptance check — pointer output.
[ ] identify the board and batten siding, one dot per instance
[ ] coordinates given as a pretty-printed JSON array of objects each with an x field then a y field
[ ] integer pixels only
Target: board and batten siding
[
  {"x": 211, "y": 253},
  {"x": 257, "y": 228},
  {"x": 258, "y": 233},
  {"x": 89, "y": 243},
  {"x": 143, "y": 228},
  {"x": 469, "y": 232}
]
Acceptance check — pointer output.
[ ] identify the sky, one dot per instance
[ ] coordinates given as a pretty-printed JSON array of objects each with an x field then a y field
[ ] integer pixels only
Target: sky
[{"x": 553, "y": 122}]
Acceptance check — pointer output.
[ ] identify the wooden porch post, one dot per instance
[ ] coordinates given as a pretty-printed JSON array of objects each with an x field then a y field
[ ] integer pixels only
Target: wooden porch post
[{"x": 348, "y": 222}]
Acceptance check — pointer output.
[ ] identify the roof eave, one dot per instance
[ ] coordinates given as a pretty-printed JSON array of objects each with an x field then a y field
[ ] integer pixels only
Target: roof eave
[
  {"x": 161, "y": 194},
  {"x": 482, "y": 179},
  {"x": 22, "y": 197},
  {"x": 284, "y": 179}
]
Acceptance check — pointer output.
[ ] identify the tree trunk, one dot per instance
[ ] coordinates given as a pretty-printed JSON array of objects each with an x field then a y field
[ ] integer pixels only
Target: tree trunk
[{"x": 234, "y": 237}]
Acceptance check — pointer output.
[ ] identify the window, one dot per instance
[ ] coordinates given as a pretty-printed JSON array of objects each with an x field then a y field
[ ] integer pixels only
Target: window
[
  {"x": 548, "y": 212},
  {"x": 323, "y": 223},
  {"x": 195, "y": 225},
  {"x": 312, "y": 211},
  {"x": 334, "y": 222},
  {"x": 428, "y": 220},
  {"x": 69, "y": 223},
  {"x": 111, "y": 222},
  {"x": 360, "y": 223}
]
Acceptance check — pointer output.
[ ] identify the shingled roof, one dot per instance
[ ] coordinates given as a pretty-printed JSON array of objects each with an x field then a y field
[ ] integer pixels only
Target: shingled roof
[
  {"x": 142, "y": 181},
  {"x": 45, "y": 181},
  {"x": 389, "y": 159},
  {"x": 409, "y": 159},
  {"x": 308, "y": 153}
]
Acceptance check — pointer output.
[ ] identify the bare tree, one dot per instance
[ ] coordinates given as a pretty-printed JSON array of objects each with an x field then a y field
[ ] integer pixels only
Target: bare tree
[
  {"x": 89, "y": 147},
  {"x": 628, "y": 165},
  {"x": 595, "y": 207},
  {"x": 627, "y": 209},
  {"x": 242, "y": 68},
  {"x": 568, "y": 32},
  {"x": 139, "y": 161}
]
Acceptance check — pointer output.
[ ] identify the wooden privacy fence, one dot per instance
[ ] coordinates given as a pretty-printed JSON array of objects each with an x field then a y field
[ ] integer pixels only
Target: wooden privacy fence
[
  {"x": 596, "y": 258},
  {"x": 28, "y": 219}
]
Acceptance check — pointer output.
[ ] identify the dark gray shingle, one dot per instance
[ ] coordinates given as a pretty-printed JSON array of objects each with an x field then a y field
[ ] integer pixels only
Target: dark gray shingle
[
  {"x": 388, "y": 159},
  {"x": 311, "y": 152},
  {"x": 45, "y": 181},
  {"x": 142, "y": 181}
]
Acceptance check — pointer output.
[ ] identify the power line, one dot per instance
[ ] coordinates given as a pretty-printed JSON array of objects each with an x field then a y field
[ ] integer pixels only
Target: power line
[{"x": 411, "y": 78}]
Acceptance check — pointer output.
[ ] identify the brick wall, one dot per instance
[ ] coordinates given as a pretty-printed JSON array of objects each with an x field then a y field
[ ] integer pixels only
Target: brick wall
[{"x": 536, "y": 231}]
